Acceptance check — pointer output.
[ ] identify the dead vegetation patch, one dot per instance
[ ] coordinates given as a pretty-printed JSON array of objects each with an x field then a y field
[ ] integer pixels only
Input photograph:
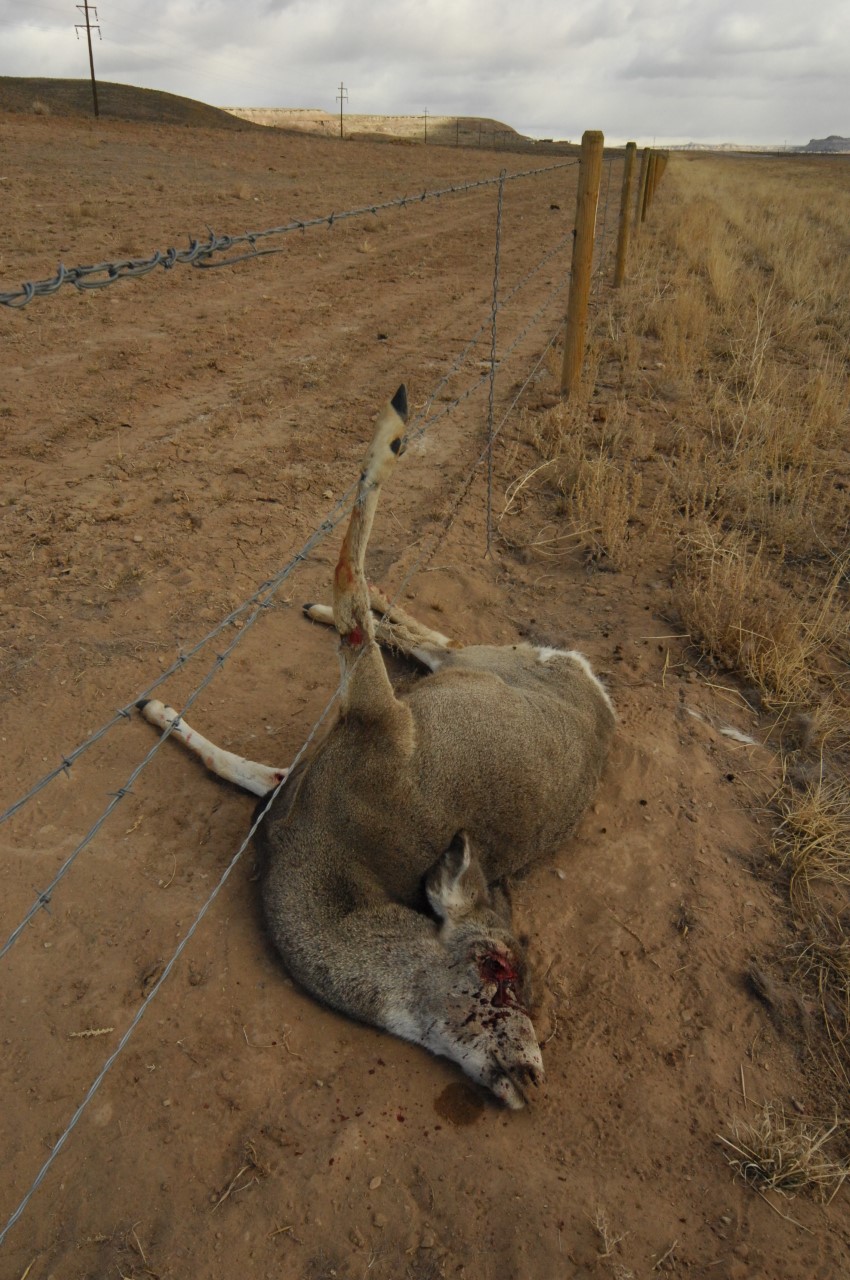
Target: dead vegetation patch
[{"x": 787, "y": 1154}]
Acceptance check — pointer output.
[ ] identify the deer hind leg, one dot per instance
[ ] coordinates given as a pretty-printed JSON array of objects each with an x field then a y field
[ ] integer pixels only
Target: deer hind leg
[
  {"x": 259, "y": 779},
  {"x": 395, "y": 629},
  {"x": 366, "y": 689}
]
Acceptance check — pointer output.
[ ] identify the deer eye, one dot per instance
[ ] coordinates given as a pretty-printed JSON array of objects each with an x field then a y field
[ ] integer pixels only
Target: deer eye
[{"x": 395, "y": 445}]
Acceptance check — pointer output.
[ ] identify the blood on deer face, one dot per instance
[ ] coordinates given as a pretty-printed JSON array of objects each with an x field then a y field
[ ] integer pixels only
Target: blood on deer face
[{"x": 481, "y": 1021}]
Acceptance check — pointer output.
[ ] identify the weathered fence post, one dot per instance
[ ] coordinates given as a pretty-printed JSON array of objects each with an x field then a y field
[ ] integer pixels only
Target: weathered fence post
[
  {"x": 625, "y": 210},
  {"x": 644, "y": 168},
  {"x": 590, "y": 172},
  {"x": 649, "y": 190}
]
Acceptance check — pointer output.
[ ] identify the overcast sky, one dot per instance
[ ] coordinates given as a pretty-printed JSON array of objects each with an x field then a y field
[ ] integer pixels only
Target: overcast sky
[{"x": 762, "y": 71}]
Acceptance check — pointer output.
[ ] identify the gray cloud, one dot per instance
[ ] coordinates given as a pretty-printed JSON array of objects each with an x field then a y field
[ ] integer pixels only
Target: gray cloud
[{"x": 753, "y": 70}]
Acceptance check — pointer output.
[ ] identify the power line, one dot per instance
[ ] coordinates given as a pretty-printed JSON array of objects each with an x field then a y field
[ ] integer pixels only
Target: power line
[
  {"x": 85, "y": 9},
  {"x": 341, "y": 98}
]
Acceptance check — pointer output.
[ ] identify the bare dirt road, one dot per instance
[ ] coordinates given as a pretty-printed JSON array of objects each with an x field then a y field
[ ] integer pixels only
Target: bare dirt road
[{"x": 168, "y": 445}]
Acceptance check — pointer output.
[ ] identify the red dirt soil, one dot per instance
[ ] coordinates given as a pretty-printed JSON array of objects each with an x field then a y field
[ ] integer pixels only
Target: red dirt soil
[{"x": 169, "y": 444}]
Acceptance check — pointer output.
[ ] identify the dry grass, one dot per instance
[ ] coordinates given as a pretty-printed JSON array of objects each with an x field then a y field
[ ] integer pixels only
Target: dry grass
[
  {"x": 712, "y": 437},
  {"x": 824, "y": 965},
  {"x": 811, "y": 840},
  {"x": 776, "y": 1152},
  {"x": 606, "y": 500},
  {"x": 592, "y": 472},
  {"x": 733, "y": 603},
  {"x": 749, "y": 309},
  {"x": 812, "y": 837}
]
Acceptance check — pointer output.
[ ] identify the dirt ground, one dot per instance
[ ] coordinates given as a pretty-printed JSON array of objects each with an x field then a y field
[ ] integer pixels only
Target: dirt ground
[{"x": 168, "y": 445}]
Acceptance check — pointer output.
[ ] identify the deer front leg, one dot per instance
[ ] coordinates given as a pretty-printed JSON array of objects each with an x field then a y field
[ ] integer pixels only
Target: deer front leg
[{"x": 259, "y": 779}]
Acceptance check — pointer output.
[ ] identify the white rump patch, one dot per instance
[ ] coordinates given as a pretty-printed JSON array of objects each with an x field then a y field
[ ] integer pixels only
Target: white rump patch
[{"x": 545, "y": 655}]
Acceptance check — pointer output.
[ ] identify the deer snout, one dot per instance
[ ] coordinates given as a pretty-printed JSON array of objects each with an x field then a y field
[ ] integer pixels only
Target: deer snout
[{"x": 518, "y": 1085}]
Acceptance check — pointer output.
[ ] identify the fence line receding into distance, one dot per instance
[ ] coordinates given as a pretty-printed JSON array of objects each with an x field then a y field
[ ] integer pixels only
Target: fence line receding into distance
[
  {"x": 262, "y": 598},
  {"x": 199, "y": 252}
]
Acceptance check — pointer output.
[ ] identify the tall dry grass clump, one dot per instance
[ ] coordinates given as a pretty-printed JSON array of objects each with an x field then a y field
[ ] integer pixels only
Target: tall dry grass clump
[
  {"x": 592, "y": 473},
  {"x": 788, "y": 1154},
  {"x": 732, "y": 606}
]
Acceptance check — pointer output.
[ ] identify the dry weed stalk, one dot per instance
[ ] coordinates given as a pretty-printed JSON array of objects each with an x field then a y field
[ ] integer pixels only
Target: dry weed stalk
[
  {"x": 824, "y": 963},
  {"x": 606, "y": 500},
  {"x": 610, "y": 1245},
  {"x": 776, "y": 1152},
  {"x": 587, "y": 464}
]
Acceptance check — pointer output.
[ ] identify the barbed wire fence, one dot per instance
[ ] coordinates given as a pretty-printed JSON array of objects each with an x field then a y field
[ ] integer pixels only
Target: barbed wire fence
[
  {"x": 199, "y": 253},
  {"x": 259, "y": 602}
]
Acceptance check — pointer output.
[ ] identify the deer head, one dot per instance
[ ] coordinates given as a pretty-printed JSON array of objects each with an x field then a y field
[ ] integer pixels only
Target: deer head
[{"x": 480, "y": 1019}]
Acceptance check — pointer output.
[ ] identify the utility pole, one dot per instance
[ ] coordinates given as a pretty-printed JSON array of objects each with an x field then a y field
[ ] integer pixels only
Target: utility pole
[
  {"x": 85, "y": 8},
  {"x": 342, "y": 97},
  {"x": 426, "y": 126}
]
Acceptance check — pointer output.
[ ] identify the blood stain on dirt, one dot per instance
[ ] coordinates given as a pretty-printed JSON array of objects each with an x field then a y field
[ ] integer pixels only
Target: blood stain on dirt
[{"x": 459, "y": 1104}]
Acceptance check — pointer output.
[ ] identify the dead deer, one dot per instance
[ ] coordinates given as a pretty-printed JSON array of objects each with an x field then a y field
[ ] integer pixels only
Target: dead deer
[{"x": 387, "y": 851}]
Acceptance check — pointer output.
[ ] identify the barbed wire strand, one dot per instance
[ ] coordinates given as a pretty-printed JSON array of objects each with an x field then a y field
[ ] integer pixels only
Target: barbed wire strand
[
  {"x": 272, "y": 585},
  {"x": 508, "y": 298},
  {"x": 43, "y": 898},
  {"x": 184, "y": 942},
  {"x": 268, "y": 588},
  {"x": 198, "y": 252},
  {"x": 492, "y": 395}
]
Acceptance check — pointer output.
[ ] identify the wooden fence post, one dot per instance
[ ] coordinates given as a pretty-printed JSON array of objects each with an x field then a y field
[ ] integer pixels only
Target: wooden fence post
[
  {"x": 625, "y": 210},
  {"x": 649, "y": 191},
  {"x": 590, "y": 172},
  {"x": 644, "y": 169}
]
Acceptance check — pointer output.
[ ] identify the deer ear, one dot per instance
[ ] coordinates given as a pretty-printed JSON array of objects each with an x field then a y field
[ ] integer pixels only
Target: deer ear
[{"x": 455, "y": 885}]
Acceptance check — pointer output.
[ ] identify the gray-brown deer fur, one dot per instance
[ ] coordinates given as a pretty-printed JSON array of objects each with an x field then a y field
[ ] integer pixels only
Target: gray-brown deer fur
[{"x": 386, "y": 852}]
